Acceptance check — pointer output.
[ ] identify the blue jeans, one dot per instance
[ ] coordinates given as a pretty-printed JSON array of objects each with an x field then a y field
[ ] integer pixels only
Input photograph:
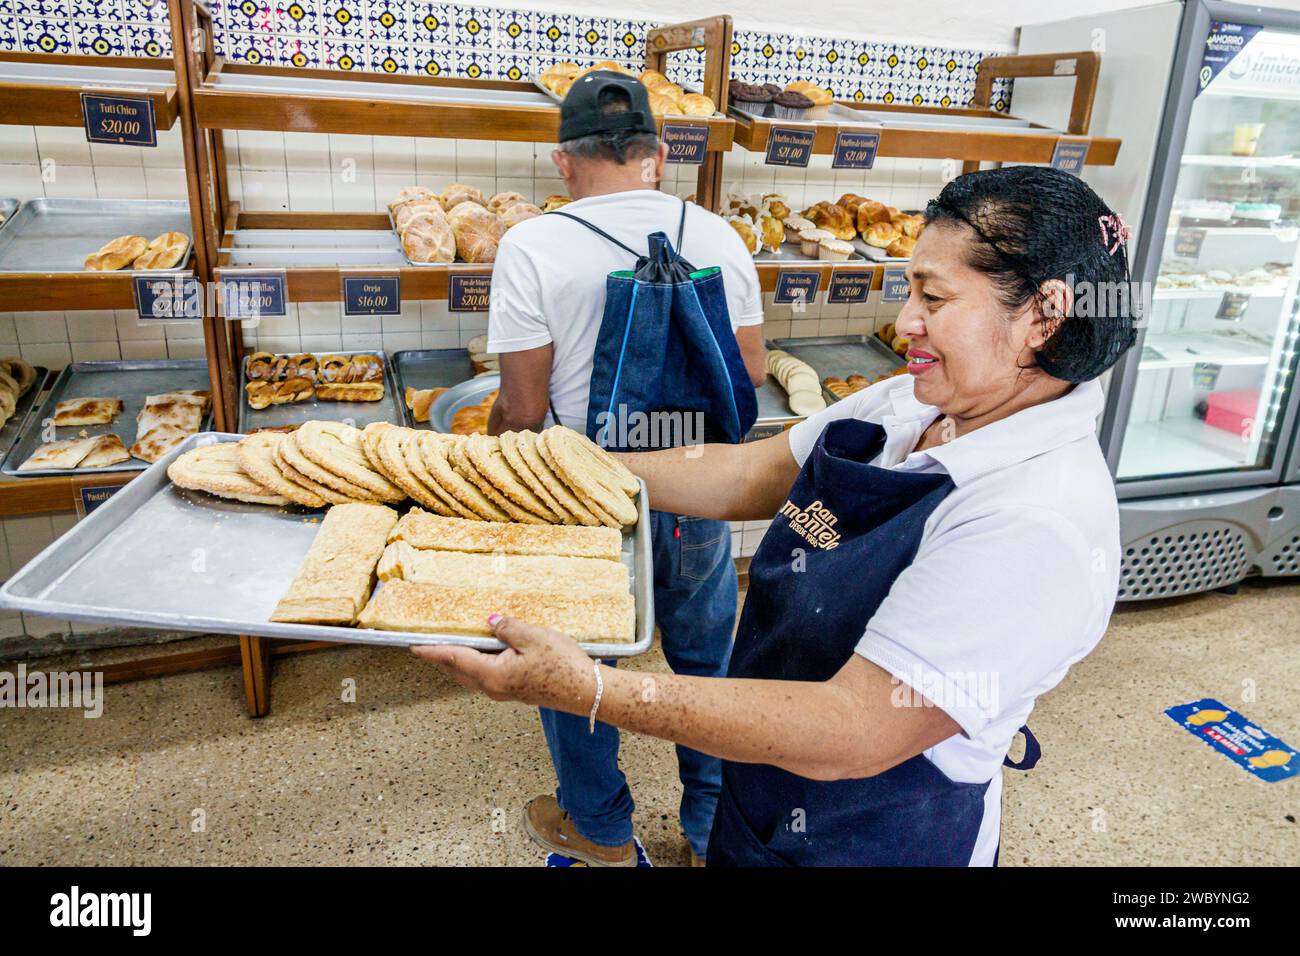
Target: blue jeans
[{"x": 695, "y": 608}]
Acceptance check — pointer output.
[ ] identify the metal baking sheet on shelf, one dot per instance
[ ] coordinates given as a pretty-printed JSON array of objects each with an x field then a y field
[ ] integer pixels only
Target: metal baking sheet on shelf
[
  {"x": 429, "y": 368},
  {"x": 840, "y": 356},
  {"x": 773, "y": 404},
  {"x": 321, "y": 248},
  {"x": 359, "y": 414},
  {"x": 789, "y": 252},
  {"x": 875, "y": 253},
  {"x": 375, "y": 91},
  {"x": 131, "y": 563},
  {"x": 56, "y": 235},
  {"x": 131, "y": 381},
  {"x": 9, "y": 432},
  {"x": 473, "y": 392}
]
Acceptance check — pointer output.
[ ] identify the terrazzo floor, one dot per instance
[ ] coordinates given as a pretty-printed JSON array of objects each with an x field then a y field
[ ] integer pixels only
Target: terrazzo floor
[{"x": 417, "y": 771}]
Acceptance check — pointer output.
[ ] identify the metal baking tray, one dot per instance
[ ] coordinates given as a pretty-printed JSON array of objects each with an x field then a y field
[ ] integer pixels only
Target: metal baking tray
[
  {"x": 446, "y": 405},
  {"x": 322, "y": 248},
  {"x": 56, "y": 235},
  {"x": 375, "y": 91},
  {"x": 789, "y": 252},
  {"x": 429, "y": 368},
  {"x": 121, "y": 79},
  {"x": 837, "y": 114},
  {"x": 9, "y": 433},
  {"x": 773, "y": 404},
  {"x": 7, "y": 209},
  {"x": 130, "y": 562},
  {"x": 360, "y": 414},
  {"x": 130, "y": 381},
  {"x": 875, "y": 253},
  {"x": 841, "y": 356}
]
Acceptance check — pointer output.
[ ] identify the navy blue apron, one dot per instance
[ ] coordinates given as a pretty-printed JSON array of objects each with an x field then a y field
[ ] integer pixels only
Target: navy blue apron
[
  {"x": 846, "y": 531},
  {"x": 666, "y": 346}
]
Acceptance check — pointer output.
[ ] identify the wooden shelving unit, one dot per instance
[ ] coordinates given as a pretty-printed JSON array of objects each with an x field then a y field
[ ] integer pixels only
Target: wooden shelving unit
[
  {"x": 239, "y": 96},
  {"x": 45, "y": 90},
  {"x": 971, "y": 134}
]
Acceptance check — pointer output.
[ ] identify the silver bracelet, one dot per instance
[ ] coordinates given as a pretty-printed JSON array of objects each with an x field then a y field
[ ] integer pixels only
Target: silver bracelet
[{"x": 600, "y": 692}]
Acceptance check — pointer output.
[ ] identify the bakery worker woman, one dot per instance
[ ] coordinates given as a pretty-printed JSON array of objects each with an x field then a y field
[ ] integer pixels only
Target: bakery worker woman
[{"x": 945, "y": 545}]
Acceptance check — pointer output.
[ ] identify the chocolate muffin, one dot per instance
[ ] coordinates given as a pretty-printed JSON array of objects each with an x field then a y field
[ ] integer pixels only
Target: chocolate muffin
[{"x": 787, "y": 105}]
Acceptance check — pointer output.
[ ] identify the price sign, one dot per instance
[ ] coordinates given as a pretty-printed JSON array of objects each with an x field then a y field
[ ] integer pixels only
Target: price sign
[
  {"x": 1233, "y": 306},
  {"x": 163, "y": 297},
  {"x": 253, "y": 295},
  {"x": 90, "y": 497},
  {"x": 127, "y": 120},
  {"x": 1069, "y": 156},
  {"x": 372, "y": 295},
  {"x": 686, "y": 143},
  {"x": 894, "y": 287},
  {"x": 789, "y": 146},
  {"x": 855, "y": 149},
  {"x": 468, "y": 293},
  {"x": 1188, "y": 242},
  {"x": 850, "y": 285},
  {"x": 796, "y": 285}
]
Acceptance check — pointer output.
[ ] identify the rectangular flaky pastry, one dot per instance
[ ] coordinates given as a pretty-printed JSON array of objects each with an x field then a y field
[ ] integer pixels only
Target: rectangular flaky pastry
[
  {"x": 441, "y": 609},
  {"x": 539, "y": 572},
  {"x": 183, "y": 410},
  {"x": 350, "y": 391},
  {"x": 106, "y": 450},
  {"x": 87, "y": 411},
  {"x": 420, "y": 529},
  {"x": 335, "y": 578},
  {"x": 65, "y": 453}
]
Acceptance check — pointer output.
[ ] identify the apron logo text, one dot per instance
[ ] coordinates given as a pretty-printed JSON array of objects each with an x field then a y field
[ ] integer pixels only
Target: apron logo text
[{"x": 815, "y": 524}]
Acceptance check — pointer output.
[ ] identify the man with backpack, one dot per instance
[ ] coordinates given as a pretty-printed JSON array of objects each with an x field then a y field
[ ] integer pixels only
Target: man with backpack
[{"x": 635, "y": 318}]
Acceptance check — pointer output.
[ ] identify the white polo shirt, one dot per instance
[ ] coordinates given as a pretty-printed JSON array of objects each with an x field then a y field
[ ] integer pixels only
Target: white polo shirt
[
  {"x": 548, "y": 281},
  {"x": 1015, "y": 577}
]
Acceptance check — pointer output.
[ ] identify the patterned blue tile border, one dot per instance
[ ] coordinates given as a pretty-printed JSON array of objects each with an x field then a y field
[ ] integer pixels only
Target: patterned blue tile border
[{"x": 447, "y": 39}]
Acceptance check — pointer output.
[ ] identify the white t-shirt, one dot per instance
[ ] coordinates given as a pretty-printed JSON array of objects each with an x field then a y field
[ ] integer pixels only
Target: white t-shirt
[
  {"x": 548, "y": 281},
  {"x": 1015, "y": 577}
]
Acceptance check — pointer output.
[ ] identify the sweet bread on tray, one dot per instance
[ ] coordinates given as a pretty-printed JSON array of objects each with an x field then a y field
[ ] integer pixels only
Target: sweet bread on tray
[
  {"x": 439, "y": 608},
  {"x": 542, "y": 572},
  {"x": 334, "y": 580},
  {"x": 420, "y": 529},
  {"x": 116, "y": 253},
  {"x": 163, "y": 252},
  {"x": 518, "y": 479},
  {"x": 216, "y": 470}
]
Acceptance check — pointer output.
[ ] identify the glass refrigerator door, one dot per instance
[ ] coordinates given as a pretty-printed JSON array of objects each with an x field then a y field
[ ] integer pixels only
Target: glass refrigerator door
[{"x": 1215, "y": 370}]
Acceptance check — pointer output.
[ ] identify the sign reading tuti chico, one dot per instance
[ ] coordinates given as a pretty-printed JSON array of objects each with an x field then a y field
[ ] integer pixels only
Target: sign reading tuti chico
[{"x": 126, "y": 120}]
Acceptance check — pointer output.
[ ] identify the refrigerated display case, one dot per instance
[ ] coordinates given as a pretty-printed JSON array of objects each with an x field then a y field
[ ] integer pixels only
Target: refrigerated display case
[{"x": 1200, "y": 413}]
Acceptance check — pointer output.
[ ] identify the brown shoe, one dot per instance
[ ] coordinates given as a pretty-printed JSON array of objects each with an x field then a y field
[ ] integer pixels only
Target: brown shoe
[{"x": 551, "y": 827}]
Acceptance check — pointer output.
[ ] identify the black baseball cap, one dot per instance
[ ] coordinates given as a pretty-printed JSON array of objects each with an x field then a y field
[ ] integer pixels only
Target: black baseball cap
[{"x": 581, "y": 115}]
